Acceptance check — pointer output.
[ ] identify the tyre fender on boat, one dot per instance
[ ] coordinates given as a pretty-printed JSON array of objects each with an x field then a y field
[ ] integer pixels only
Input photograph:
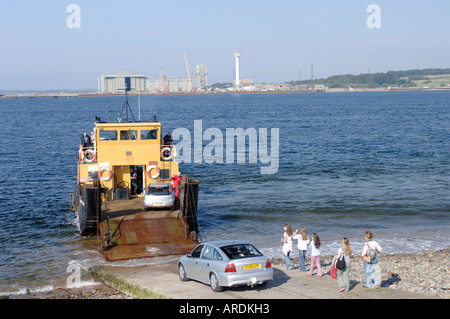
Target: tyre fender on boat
[
  {"x": 149, "y": 169},
  {"x": 100, "y": 174},
  {"x": 86, "y": 156}
]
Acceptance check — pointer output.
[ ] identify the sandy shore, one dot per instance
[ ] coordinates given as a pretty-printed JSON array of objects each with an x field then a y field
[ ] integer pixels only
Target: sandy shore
[{"x": 424, "y": 274}]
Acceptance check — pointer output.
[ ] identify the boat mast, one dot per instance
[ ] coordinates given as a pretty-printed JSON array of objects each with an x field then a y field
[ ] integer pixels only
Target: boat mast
[{"x": 126, "y": 106}]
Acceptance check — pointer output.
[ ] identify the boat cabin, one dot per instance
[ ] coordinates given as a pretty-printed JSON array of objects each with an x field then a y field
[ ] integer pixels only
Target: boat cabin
[{"x": 125, "y": 157}]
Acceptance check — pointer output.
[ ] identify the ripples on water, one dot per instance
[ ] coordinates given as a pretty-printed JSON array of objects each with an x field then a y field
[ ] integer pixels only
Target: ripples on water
[{"x": 348, "y": 163}]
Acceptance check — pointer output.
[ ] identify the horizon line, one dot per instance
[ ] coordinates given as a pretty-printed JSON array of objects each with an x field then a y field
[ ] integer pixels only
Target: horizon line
[{"x": 309, "y": 80}]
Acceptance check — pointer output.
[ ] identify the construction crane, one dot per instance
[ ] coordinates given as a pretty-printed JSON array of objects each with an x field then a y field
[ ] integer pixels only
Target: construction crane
[
  {"x": 166, "y": 85},
  {"x": 189, "y": 73}
]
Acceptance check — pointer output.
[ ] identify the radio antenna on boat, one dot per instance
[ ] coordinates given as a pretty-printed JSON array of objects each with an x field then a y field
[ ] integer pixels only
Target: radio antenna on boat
[
  {"x": 139, "y": 106},
  {"x": 126, "y": 106}
]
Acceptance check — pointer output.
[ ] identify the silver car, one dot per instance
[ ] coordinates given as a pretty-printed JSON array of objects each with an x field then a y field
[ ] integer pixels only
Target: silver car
[
  {"x": 228, "y": 263},
  {"x": 159, "y": 195}
]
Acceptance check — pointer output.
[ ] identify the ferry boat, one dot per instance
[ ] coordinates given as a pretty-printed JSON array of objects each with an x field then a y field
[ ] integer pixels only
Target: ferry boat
[{"x": 109, "y": 200}]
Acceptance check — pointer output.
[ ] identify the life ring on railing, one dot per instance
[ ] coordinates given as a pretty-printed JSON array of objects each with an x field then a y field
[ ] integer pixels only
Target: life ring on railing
[
  {"x": 86, "y": 156},
  {"x": 149, "y": 169},
  {"x": 166, "y": 158},
  {"x": 100, "y": 175}
]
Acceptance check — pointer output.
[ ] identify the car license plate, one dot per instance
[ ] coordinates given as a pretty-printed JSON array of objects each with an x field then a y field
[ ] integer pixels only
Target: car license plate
[
  {"x": 251, "y": 266},
  {"x": 158, "y": 204}
]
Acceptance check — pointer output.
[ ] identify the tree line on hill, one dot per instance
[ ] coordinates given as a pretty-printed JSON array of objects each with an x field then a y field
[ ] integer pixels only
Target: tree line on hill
[{"x": 391, "y": 78}]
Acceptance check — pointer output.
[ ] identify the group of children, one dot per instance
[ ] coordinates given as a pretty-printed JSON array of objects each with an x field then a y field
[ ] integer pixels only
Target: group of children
[
  {"x": 303, "y": 244},
  {"x": 343, "y": 276}
]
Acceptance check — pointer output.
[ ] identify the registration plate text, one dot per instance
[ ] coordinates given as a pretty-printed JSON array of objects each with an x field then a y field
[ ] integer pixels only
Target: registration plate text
[{"x": 251, "y": 266}]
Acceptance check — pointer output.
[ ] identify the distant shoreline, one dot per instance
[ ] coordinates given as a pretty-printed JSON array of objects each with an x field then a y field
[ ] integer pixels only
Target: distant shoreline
[{"x": 96, "y": 94}]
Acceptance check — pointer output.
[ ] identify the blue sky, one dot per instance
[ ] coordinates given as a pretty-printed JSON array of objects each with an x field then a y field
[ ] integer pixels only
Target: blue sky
[{"x": 277, "y": 39}]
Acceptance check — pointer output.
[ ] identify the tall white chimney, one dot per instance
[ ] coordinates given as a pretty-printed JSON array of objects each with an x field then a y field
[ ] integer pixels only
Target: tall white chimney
[{"x": 238, "y": 81}]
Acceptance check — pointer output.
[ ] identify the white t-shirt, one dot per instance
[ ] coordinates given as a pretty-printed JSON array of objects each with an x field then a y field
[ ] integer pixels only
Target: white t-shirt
[
  {"x": 287, "y": 246},
  {"x": 314, "y": 251},
  {"x": 302, "y": 244}
]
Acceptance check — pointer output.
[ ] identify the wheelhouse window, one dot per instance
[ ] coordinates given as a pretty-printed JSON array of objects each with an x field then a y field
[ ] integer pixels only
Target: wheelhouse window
[
  {"x": 108, "y": 135},
  {"x": 128, "y": 135},
  {"x": 149, "y": 134}
]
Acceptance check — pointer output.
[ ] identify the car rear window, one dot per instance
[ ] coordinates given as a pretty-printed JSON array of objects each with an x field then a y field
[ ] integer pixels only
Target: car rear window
[
  {"x": 240, "y": 251},
  {"x": 159, "y": 190}
]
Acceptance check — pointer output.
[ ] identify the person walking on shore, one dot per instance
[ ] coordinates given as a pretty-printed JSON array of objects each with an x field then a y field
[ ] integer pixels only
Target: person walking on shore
[
  {"x": 303, "y": 242},
  {"x": 315, "y": 255},
  {"x": 369, "y": 255},
  {"x": 287, "y": 245},
  {"x": 343, "y": 276}
]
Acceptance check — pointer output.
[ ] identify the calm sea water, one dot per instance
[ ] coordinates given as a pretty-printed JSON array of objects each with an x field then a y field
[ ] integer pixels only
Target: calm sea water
[{"x": 349, "y": 162}]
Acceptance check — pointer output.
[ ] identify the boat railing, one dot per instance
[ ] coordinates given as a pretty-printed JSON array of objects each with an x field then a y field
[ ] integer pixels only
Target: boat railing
[{"x": 87, "y": 155}]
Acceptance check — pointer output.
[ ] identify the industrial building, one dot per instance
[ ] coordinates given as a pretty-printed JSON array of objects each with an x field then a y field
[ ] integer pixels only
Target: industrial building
[
  {"x": 167, "y": 84},
  {"x": 201, "y": 76},
  {"x": 114, "y": 82},
  {"x": 243, "y": 83}
]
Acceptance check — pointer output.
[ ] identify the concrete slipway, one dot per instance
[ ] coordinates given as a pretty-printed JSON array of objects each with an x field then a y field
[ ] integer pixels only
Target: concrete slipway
[{"x": 162, "y": 281}]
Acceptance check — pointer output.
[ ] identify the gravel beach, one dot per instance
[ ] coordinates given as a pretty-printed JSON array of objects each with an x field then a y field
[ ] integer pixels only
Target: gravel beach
[{"x": 426, "y": 273}]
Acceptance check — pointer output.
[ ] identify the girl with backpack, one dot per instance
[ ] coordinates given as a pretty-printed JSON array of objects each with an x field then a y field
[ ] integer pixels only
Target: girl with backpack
[{"x": 369, "y": 255}]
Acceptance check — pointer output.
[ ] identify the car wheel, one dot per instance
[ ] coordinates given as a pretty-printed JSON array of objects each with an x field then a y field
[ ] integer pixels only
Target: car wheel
[
  {"x": 214, "y": 283},
  {"x": 182, "y": 273}
]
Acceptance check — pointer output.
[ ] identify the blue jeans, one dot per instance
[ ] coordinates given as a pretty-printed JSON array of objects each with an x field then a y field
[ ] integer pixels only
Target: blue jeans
[
  {"x": 369, "y": 274},
  {"x": 302, "y": 255},
  {"x": 289, "y": 263}
]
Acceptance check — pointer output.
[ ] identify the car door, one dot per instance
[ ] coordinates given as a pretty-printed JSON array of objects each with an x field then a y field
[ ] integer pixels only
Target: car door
[
  {"x": 204, "y": 263},
  {"x": 191, "y": 264}
]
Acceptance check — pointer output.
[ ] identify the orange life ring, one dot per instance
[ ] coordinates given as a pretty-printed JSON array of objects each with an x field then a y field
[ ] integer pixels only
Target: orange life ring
[
  {"x": 166, "y": 158},
  {"x": 150, "y": 174},
  {"x": 86, "y": 153},
  {"x": 100, "y": 175}
]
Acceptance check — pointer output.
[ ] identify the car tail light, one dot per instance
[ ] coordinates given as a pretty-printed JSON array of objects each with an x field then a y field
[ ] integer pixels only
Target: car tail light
[
  {"x": 230, "y": 268},
  {"x": 268, "y": 263}
]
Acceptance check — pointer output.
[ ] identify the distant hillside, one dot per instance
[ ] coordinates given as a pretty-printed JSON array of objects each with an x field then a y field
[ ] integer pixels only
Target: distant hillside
[{"x": 410, "y": 78}]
